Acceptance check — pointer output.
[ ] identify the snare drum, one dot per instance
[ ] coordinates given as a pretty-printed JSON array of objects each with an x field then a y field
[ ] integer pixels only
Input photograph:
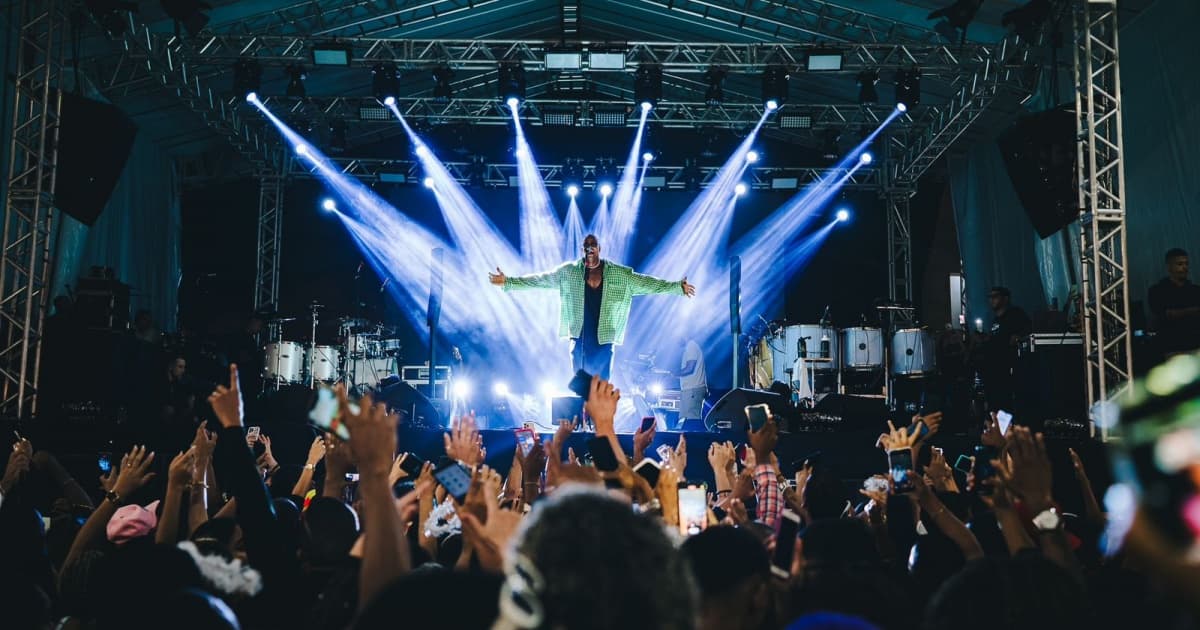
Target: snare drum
[
  {"x": 862, "y": 349},
  {"x": 913, "y": 352},
  {"x": 325, "y": 363},
  {"x": 389, "y": 347},
  {"x": 283, "y": 362}
]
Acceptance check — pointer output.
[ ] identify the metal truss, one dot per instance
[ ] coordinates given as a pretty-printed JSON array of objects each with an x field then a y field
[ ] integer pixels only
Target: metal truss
[
  {"x": 342, "y": 18},
  {"x": 490, "y": 111},
  {"x": 938, "y": 126},
  {"x": 505, "y": 175},
  {"x": 164, "y": 59},
  {"x": 674, "y": 57},
  {"x": 899, "y": 224},
  {"x": 800, "y": 20},
  {"x": 1101, "y": 157},
  {"x": 28, "y": 211},
  {"x": 270, "y": 232}
]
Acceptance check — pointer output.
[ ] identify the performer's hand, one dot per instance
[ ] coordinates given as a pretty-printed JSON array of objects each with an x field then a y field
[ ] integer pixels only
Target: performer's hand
[
  {"x": 497, "y": 278},
  {"x": 688, "y": 289}
]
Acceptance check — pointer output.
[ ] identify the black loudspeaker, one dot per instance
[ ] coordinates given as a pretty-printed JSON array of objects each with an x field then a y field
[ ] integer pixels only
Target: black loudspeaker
[
  {"x": 1039, "y": 153},
  {"x": 414, "y": 407},
  {"x": 856, "y": 412},
  {"x": 729, "y": 413},
  {"x": 735, "y": 295},
  {"x": 94, "y": 141}
]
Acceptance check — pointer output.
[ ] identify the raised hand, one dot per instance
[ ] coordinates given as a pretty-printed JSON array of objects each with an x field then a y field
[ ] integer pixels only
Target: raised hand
[
  {"x": 1028, "y": 472},
  {"x": 372, "y": 433},
  {"x": 763, "y": 441},
  {"x": 464, "y": 442},
  {"x": 677, "y": 458},
  {"x": 397, "y": 473},
  {"x": 601, "y": 405},
  {"x": 179, "y": 473},
  {"x": 688, "y": 289},
  {"x": 18, "y": 465},
  {"x": 266, "y": 461},
  {"x": 991, "y": 433},
  {"x": 497, "y": 278},
  {"x": 203, "y": 445},
  {"x": 134, "y": 472},
  {"x": 720, "y": 456},
  {"x": 939, "y": 472},
  {"x": 339, "y": 459},
  {"x": 642, "y": 440},
  {"x": 226, "y": 402},
  {"x": 898, "y": 438},
  {"x": 316, "y": 451},
  {"x": 532, "y": 465}
]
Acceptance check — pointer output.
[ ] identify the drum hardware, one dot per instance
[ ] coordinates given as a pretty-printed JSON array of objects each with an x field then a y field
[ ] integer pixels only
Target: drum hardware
[{"x": 312, "y": 340}]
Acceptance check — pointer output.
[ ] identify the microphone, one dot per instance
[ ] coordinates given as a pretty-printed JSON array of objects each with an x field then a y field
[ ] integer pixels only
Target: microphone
[{"x": 825, "y": 316}]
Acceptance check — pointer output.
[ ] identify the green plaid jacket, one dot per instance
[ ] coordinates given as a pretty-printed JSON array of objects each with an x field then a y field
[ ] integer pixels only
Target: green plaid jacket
[{"x": 620, "y": 285}]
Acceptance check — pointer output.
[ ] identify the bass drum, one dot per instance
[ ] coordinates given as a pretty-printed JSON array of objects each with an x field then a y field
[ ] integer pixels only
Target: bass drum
[
  {"x": 862, "y": 349},
  {"x": 913, "y": 352},
  {"x": 283, "y": 362},
  {"x": 365, "y": 374},
  {"x": 325, "y": 363}
]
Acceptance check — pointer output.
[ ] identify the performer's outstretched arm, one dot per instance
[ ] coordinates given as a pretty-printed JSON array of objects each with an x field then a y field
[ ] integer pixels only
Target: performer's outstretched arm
[
  {"x": 548, "y": 280},
  {"x": 642, "y": 284}
]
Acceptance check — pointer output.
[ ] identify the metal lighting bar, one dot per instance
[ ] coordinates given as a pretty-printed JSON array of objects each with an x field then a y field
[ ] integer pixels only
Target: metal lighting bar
[
  {"x": 1101, "y": 169},
  {"x": 42, "y": 35},
  {"x": 899, "y": 224}
]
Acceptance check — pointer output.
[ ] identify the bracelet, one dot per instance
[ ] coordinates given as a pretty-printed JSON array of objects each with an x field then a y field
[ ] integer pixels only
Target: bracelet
[
  {"x": 113, "y": 498},
  {"x": 310, "y": 467}
]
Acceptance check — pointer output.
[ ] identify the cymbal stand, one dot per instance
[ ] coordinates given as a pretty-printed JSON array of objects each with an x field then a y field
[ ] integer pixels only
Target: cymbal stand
[{"x": 312, "y": 344}]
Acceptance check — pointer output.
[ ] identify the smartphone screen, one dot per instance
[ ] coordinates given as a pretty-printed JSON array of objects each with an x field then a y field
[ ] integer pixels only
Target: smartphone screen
[
  {"x": 963, "y": 464},
  {"x": 741, "y": 454},
  {"x": 918, "y": 426},
  {"x": 525, "y": 440},
  {"x": 581, "y": 384},
  {"x": 649, "y": 470},
  {"x": 104, "y": 461},
  {"x": 1004, "y": 420},
  {"x": 411, "y": 464},
  {"x": 602, "y": 454},
  {"x": 901, "y": 463},
  {"x": 252, "y": 434},
  {"x": 693, "y": 508},
  {"x": 648, "y": 422},
  {"x": 983, "y": 468},
  {"x": 326, "y": 413},
  {"x": 352, "y": 477},
  {"x": 757, "y": 415},
  {"x": 785, "y": 544},
  {"x": 664, "y": 452},
  {"x": 455, "y": 479}
]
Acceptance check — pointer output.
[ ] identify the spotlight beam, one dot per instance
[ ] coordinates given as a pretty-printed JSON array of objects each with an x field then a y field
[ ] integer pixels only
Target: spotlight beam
[{"x": 623, "y": 209}]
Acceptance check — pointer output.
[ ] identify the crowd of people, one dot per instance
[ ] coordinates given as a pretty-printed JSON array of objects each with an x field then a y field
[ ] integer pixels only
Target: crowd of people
[{"x": 358, "y": 538}]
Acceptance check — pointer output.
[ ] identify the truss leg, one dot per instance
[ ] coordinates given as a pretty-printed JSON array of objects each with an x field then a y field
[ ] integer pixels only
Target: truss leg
[
  {"x": 33, "y": 151},
  {"x": 899, "y": 245},
  {"x": 270, "y": 234},
  {"x": 1105, "y": 286}
]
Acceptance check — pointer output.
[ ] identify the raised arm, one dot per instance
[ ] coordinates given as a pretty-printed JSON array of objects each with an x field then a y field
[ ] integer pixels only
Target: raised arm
[
  {"x": 547, "y": 280},
  {"x": 642, "y": 284}
]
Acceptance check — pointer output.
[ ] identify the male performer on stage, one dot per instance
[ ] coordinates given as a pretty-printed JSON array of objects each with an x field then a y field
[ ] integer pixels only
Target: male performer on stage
[{"x": 594, "y": 299}]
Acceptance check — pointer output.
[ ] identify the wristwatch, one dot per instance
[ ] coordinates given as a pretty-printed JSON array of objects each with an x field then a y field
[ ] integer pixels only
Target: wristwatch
[
  {"x": 114, "y": 498},
  {"x": 1048, "y": 520}
]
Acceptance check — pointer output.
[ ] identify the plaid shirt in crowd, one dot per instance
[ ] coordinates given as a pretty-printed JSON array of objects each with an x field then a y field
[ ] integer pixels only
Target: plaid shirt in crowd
[
  {"x": 766, "y": 492},
  {"x": 621, "y": 283}
]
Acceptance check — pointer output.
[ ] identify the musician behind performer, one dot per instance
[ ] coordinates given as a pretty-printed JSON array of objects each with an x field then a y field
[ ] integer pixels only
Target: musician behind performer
[
  {"x": 693, "y": 382},
  {"x": 1009, "y": 324},
  {"x": 1175, "y": 304},
  {"x": 594, "y": 300}
]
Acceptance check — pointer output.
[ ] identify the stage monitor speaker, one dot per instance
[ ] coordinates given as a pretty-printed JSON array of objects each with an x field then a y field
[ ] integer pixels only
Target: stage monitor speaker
[
  {"x": 414, "y": 407},
  {"x": 94, "y": 141},
  {"x": 1039, "y": 153},
  {"x": 729, "y": 414},
  {"x": 857, "y": 412}
]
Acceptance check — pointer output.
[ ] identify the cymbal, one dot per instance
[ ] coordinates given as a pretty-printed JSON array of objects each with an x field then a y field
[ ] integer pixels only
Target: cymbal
[{"x": 280, "y": 320}]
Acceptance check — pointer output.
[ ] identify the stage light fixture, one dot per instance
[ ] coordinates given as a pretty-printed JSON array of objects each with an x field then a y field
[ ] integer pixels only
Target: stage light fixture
[
  {"x": 609, "y": 117},
  {"x": 714, "y": 94},
  {"x": 428, "y": 182},
  {"x": 866, "y": 81},
  {"x": 606, "y": 189},
  {"x": 843, "y": 215},
  {"x": 572, "y": 175},
  {"x": 521, "y": 152},
  {"x": 301, "y": 150},
  {"x": 500, "y": 388},
  {"x": 795, "y": 121},
  {"x": 648, "y": 156},
  {"x": 477, "y": 172},
  {"x": 332, "y": 54},
  {"x": 775, "y": 79},
  {"x": 558, "y": 116},
  {"x": 548, "y": 389},
  {"x": 251, "y": 97},
  {"x": 740, "y": 189},
  {"x": 866, "y": 157},
  {"x": 442, "y": 89},
  {"x": 752, "y": 156},
  {"x": 329, "y": 204},
  {"x": 656, "y": 389},
  {"x": 831, "y": 140},
  {"x": 462, "y": 388},
  {"x": 647, "y": 85},
  {"x": 188, "y": 14},
  {"x": 337, "y": 136},
  {"x": 510, "y": 85},
  {"x": 296, "y": 77},
  {"x": 954, "y": 18},
  {"x": 421, "y": 150},
  {"x": 385, "y": 82},
  {"x": 901, "y": 107},
  {"x": 908, "y": 87},
  {"x": 692, "y": 177},
  {"x": 247, "y": 77},
  {"x": 824, "y": 60},
  {"x": 572, "y": 191},
  {"x": 606, "y": 174}
]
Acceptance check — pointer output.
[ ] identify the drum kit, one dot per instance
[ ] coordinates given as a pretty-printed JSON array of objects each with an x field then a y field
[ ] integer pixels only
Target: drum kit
[
  {"x": 816, "y": 359},
  {"x": 365, "y": 353}
]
